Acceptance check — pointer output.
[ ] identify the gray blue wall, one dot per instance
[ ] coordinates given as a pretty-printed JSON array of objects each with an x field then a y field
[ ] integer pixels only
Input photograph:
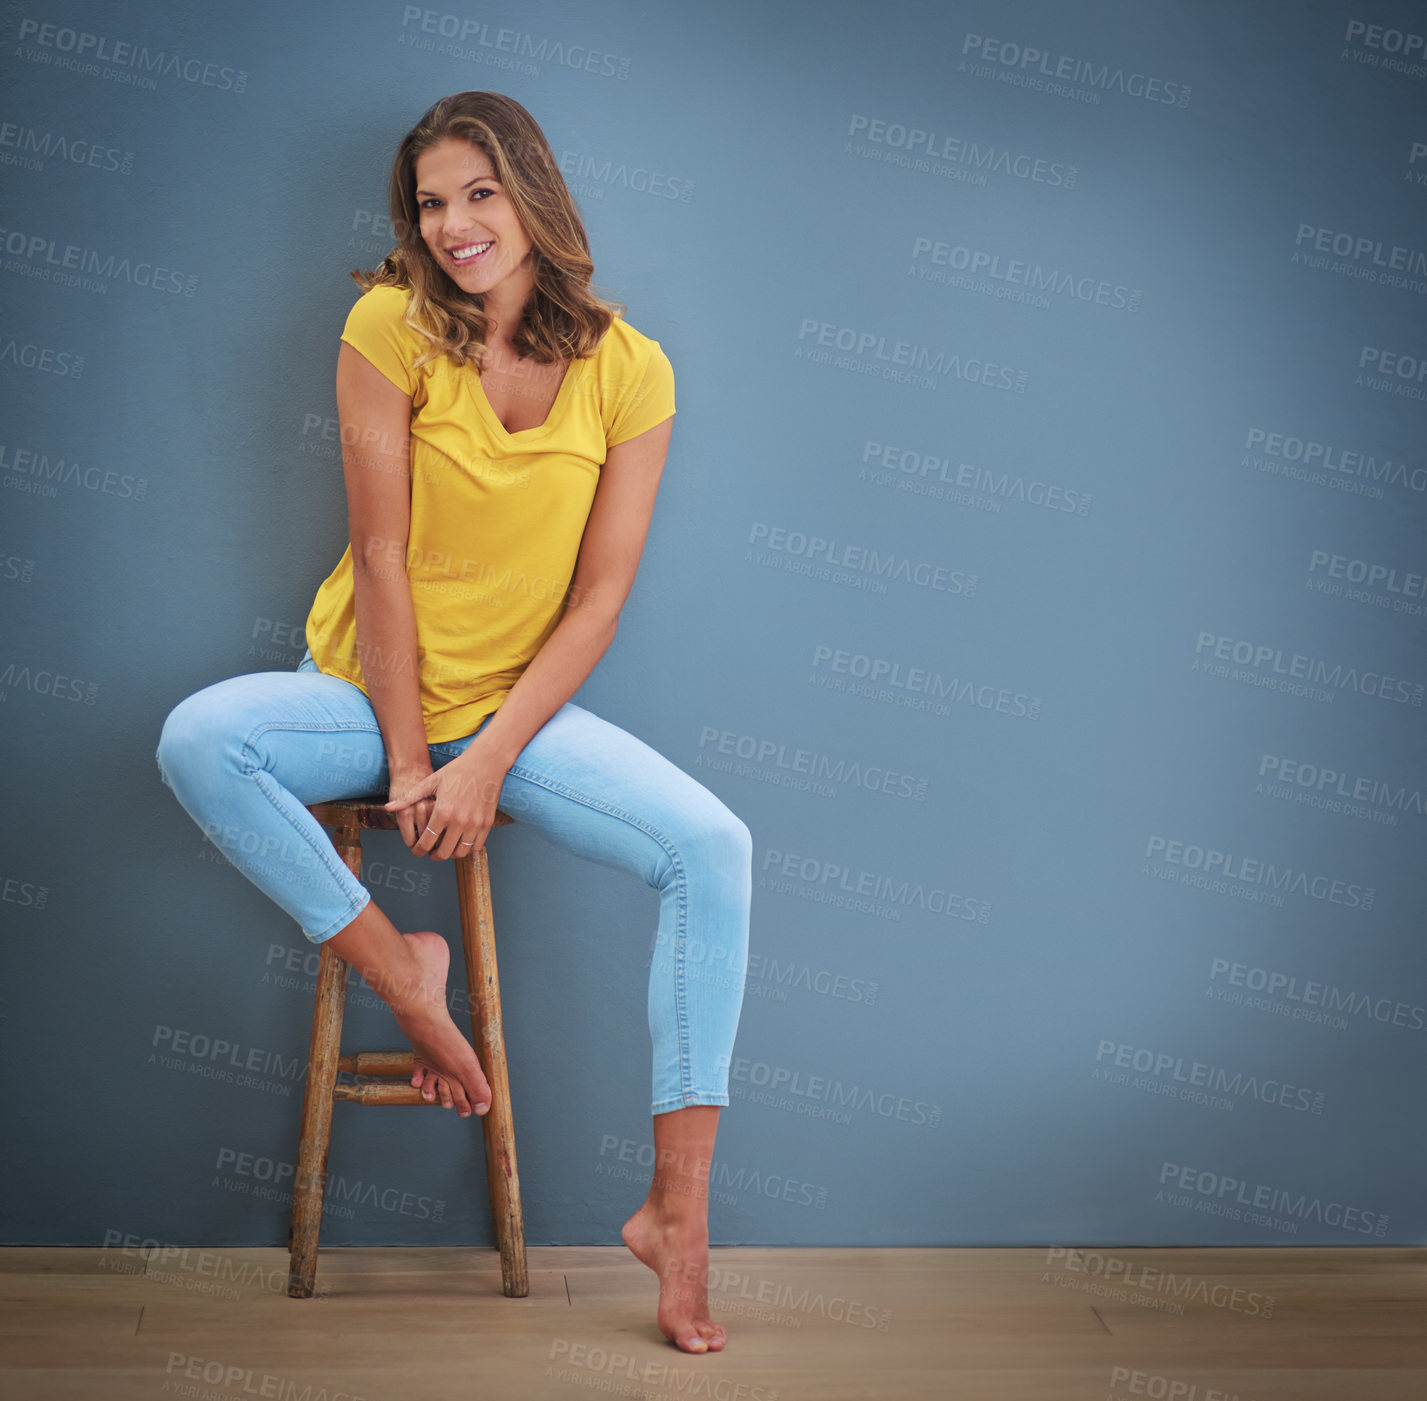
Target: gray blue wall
[{"x": 1088, "y": 838}]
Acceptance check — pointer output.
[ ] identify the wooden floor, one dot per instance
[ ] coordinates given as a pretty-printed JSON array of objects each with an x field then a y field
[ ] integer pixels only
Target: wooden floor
[{"x": 987, "y": 1325}]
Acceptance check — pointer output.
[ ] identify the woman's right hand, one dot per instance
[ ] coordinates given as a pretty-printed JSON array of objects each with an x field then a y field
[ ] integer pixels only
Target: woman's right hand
[{"x": 411, "y": 821}]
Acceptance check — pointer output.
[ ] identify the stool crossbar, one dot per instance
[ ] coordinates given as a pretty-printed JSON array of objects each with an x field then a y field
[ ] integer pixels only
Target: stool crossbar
[{"x": 383, "y": 1077}]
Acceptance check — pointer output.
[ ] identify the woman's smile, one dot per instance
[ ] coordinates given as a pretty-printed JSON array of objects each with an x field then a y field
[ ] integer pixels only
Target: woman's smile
[{"x": 469, "y": 253}]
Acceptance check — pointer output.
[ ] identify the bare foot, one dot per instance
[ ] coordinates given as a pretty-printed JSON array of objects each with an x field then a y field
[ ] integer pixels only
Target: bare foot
[
  {"x": 446, "y": 1064},
  {"x": 676, "y": 1248}
]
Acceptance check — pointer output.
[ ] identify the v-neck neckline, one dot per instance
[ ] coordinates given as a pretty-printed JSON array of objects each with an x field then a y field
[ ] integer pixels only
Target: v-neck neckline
[{"x": 485, "y": 406}]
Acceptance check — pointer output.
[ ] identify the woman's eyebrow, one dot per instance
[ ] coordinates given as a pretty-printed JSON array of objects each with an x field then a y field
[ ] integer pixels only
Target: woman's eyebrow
[{"x": 466, "y": 186}]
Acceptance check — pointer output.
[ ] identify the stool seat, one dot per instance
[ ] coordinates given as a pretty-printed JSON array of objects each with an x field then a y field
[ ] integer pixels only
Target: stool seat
[{"x": 383, "y": 1078}]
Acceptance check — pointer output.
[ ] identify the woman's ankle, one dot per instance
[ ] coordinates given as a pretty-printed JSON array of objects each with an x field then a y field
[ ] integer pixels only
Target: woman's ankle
[{"x": 385, "y": 961}]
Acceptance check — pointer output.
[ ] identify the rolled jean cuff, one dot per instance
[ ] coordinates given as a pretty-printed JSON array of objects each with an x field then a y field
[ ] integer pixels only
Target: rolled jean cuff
[
  {"x": 688, "y": 1101},
  {"x": 339, "y": 924}
]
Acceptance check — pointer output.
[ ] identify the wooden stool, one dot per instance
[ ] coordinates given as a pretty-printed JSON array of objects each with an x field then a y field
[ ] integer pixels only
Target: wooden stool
[{"x": 326, "y": 1059}]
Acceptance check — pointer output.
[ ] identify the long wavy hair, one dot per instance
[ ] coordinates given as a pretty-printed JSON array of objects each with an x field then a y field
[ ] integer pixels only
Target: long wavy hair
[{"x": 564, "y": 318}]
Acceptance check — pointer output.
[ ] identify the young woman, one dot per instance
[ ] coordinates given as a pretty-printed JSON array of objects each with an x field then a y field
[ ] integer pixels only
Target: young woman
[{"x": 503, "y": 435}]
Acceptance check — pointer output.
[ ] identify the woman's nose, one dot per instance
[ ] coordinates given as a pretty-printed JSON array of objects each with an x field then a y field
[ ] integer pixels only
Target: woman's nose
[{"x": 457, "y": 222}]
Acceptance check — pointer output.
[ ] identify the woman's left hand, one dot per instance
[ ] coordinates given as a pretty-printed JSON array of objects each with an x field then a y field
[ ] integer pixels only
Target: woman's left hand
[{"x": 467, "y": 793}]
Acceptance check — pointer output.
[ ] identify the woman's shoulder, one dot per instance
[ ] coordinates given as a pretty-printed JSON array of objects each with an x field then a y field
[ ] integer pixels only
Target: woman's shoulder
[
  {"x": 387, "y": 293},
  {"x": 376, "y": 327},
  {"x": 624, "y": 341},
  {"x": 635, "y": 381},
  {"x": 626, "y": 356},
  {"x": 385, "y": 301}
]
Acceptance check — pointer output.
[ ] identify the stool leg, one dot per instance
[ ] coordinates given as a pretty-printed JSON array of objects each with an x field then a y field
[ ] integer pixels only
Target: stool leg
[
  {"x": 497, "y": 1125},
  {"x": 323, "y": 1053}
]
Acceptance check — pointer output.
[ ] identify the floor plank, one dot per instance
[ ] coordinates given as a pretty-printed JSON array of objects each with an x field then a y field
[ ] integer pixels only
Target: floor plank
[{"x": 397, "y": 1324}]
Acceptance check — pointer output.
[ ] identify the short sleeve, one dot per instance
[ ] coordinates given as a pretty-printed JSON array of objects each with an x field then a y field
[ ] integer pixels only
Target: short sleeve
[
  {"x": 375, "y": 329},
  {"x": 648, "y": 403}
]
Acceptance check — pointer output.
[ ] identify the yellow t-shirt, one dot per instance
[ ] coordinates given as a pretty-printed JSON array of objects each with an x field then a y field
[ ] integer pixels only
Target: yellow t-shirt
[{"x": 496, "y": 517}]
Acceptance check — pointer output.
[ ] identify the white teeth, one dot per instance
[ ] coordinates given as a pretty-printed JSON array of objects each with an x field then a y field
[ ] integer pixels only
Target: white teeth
[{"x": 461, "y": 254}]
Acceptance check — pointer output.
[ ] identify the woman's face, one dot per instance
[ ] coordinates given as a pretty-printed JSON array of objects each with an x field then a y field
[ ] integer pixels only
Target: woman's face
[{"x": 467, "y": 219}]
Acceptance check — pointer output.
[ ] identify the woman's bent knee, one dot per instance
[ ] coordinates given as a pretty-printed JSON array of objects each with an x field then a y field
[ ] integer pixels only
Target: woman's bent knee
[
  {"x": 718, "y": 835},
  {"x": 199, "y": 734},
  {"x": 741, "y": 839}
]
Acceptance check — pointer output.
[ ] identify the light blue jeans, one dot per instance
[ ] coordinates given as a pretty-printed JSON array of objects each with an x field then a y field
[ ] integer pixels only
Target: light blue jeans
[{"x": 245, "y": 756}]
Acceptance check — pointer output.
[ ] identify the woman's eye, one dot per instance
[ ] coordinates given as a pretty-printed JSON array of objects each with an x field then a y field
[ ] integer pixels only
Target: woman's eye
[{"x": 433, "y": 201}]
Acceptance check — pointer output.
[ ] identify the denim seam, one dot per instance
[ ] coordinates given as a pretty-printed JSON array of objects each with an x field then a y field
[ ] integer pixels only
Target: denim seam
[
  {"x": 681, "y": 1015},
  {"x": 342, "y": 920},
  {"x": 325, "y": 852},
  {"x": 334, "y": 867}
]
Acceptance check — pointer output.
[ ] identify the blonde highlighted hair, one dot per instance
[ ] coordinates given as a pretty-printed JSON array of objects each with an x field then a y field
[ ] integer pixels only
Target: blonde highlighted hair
[{"x": 564, "y": 318}]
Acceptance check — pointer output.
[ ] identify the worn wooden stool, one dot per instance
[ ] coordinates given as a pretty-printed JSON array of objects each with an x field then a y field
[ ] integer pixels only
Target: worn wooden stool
[{"x": 325, "y": 1060}]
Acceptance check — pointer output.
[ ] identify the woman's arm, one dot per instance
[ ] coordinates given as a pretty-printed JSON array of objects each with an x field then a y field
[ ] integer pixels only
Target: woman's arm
[
  {"x": 610, "y": 551},
  {"x": 375, "y": 418}
]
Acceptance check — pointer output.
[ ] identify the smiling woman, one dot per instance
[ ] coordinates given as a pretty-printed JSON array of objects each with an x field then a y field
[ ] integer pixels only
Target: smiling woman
[{"x": 504, "y": 432}]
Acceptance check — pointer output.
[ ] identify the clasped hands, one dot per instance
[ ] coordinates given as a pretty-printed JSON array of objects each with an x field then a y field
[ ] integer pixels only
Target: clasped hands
[{"x": 449, "y": 811}]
